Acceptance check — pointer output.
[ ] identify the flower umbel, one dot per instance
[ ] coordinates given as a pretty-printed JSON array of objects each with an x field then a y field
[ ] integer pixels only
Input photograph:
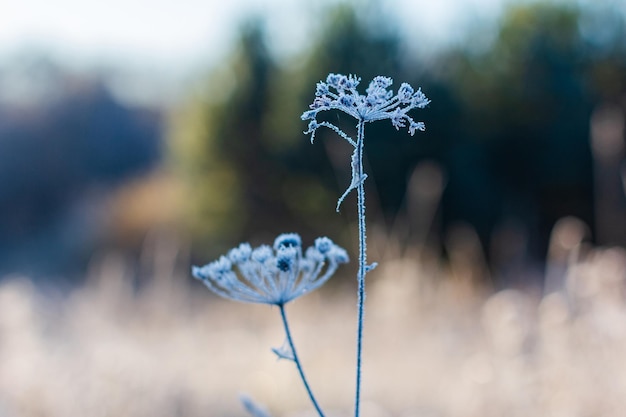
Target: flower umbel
[
  {"x": 272, "y": 275},
  {"x": 378, "y": 104},
  {"x": 339, "y": 92}
]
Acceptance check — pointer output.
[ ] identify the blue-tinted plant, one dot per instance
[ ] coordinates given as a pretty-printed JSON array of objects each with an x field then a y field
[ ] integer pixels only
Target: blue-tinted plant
[
  {"x": 274, "y": 275},
  {"x": 379, "y": 103}
]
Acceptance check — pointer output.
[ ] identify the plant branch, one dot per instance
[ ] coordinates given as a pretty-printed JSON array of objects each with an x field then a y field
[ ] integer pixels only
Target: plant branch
[{"x": 283, "y": 315}]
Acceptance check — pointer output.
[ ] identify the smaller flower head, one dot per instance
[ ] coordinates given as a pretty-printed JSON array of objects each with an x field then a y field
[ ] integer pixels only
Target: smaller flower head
[{"x": 272, "y": 275}]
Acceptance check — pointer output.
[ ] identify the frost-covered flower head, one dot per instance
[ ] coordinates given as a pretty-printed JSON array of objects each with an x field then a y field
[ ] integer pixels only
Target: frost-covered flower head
[
  {"x": 272, "y": 275},
  {"x": 379, "y": 103},
  {"x": 339, "y": 93}
]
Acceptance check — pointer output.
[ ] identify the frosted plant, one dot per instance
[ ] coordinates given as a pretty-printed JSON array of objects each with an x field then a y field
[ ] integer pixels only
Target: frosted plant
[
  {"x": 339, "y": 93},
  {"x": 378, "y": 104},
  {"x": 278, "y": 274},
  {"x": 274, "y": 275}
]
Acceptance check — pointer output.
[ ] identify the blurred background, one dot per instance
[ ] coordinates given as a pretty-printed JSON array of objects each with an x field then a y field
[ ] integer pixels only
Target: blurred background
[{"x": 138, "y": 138}]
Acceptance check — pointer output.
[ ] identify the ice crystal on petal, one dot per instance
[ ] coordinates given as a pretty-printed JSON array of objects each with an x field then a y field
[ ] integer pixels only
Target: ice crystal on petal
[{"x": 272, "y": 275}]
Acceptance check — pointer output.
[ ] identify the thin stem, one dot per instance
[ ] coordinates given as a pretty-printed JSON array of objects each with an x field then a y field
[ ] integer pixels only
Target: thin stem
[
  {"x": 362, "y": 267},
  {"x": 338, "y": 131},
  {"x": 283, "y": 315}
]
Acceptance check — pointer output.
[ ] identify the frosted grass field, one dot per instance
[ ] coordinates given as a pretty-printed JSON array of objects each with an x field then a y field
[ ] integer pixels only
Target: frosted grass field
[{"x": 436, "y": 344}]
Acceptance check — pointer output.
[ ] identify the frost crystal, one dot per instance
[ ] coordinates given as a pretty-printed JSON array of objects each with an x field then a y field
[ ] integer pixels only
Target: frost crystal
[{"x": 272, "y": 275}]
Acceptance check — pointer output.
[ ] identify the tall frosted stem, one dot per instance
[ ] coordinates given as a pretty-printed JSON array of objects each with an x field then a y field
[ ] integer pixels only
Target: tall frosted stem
[
  {"x": 283, "y": 315},
  {"x": 339, "y": 92},
  {"x": 362, "y": 266}
]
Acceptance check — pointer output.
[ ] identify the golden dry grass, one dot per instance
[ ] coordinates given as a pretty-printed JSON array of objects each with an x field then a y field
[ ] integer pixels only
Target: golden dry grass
[{"x": 435, "y": 345}]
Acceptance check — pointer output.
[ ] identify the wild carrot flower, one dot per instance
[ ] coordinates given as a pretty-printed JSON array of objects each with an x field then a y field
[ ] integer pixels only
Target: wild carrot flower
[
  {"x": 379, "y": 103},
  {"x": 272, "y": 275},
  {"x": 339, "y": 93}
]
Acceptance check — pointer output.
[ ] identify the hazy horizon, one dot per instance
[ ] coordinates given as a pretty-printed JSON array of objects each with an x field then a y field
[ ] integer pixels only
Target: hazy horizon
[{"x": 118, "y": 37}]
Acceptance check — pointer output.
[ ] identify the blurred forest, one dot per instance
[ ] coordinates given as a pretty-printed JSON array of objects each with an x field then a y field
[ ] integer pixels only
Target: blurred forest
[
  {"x": 65, "y": 143},
  {"x": 522, "y": 131},
  {"x": 526, "y": 127}
]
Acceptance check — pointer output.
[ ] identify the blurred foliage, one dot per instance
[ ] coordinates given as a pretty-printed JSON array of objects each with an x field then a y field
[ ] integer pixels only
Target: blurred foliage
[
  {"x": 62, "y": 144},
  {"x": 509, "y": 124},
  {"x": 525, "y": 152},
  {"x": 250, "y": 170},
  {"x": 527, "y": 103}
]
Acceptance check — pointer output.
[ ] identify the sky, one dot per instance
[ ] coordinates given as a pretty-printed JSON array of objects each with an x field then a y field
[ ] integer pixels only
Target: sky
[
  {"x": 169, "y": 39},
  {"x": 168, "y": 32}
]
